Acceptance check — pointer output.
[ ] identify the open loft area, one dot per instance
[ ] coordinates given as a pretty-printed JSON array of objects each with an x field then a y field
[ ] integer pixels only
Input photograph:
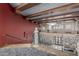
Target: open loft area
[{"x": 39, "y": 29}]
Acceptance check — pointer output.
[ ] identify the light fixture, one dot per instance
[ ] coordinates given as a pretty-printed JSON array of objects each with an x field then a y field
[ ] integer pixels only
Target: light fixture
[
  {"x": 43, "y": 19},
  {"x": 51, "y": 24}
]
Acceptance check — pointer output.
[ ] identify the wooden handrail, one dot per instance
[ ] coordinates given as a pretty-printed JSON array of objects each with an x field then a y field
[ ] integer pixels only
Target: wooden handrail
[{"x": 13, "y": 36}]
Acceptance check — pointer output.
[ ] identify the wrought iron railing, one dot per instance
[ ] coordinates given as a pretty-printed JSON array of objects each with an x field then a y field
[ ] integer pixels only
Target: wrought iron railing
[{"x": 62, "y": 41}]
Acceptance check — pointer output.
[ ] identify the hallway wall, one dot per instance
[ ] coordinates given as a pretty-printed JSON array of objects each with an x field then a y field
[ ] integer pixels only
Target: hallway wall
[{"x": 13, "y": 24}]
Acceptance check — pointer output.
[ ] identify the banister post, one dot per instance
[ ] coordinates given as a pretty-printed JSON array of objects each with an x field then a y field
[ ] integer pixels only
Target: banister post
[{"x": 36, "y": 36}]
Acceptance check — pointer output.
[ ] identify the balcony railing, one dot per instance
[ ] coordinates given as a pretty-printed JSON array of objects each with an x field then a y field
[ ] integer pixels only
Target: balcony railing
[{"x": 64, "y": 42}]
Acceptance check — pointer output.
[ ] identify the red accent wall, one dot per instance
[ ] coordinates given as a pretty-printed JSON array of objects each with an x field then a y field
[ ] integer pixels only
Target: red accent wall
[{"x": 15, "y": 25}]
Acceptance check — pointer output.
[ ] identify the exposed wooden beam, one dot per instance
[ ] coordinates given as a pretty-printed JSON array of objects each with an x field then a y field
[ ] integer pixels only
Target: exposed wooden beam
[
  {"x": 25, "y": 6},
  {"x": 67, "y": 19},
  {"x": 73, "y": 13},
  {"x": 57, "y": 9},
  {"x": 60, "y": 17}
]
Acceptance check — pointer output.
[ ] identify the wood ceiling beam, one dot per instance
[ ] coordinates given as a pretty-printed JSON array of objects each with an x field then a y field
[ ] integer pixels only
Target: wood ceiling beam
[
  {"x": 73, "y": 13},
  {"x": 25, "y": 6},
  {"x": 58, "y": 18},
  {"x": 57, "y": 9},
  {"x": 54, "y": 18}
]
